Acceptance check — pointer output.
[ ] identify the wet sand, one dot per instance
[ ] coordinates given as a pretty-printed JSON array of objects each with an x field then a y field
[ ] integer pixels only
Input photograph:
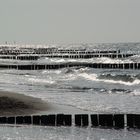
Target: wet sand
[
  {"x": 64, "y": 109},
  {"x": 13, "y": 104},
  {"x": 19, "y": 104}
]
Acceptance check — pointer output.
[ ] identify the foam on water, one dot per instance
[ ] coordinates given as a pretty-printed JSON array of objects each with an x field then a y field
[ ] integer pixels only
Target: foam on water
[
  {"x": 91, "y": 60},
  {"x": 48, "y": 81},
  {"x": 65, "y": 133},
  {"x": 49, "y": 71},
  {"x": 94, "y": 77}
]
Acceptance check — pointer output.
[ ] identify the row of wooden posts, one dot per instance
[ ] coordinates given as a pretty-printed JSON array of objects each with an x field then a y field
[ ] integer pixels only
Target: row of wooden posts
[
  {"x": 133, "y": 66},
  {"x": 85, "y": 56},
  {"x": 13, "y": 51},
  {"x": 77, "y": 51},
  {"x": 56, "y": 53},
  {"x": 80, "y": 120}
]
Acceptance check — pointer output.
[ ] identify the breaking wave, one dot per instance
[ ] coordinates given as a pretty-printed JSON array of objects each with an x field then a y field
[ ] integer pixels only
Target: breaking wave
[
  {"x": 47, "y": 81},
  {"x": 125, "y": 78},
  {"x": 111, "y": 79},
  {"x": 91, "y": 60}
]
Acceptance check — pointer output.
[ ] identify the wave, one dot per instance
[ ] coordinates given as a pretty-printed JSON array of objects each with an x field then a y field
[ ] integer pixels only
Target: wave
[
  {"x": 75, "y": 70},
  {"x": 125, "y": 77},
  {"x": 47, "y": 81},
  {"x": 51, "y": 72},
  {"x": 94, "y": 77},
  {"x": 91, "y": 60},
  {"x": 83, "y": 89},
  {"x": 59, "y": 60},
  {"x": 136, "y": 93},
  {"x": 115, "y": 90}
]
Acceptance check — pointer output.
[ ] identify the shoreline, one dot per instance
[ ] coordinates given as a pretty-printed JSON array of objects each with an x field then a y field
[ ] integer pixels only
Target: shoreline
[
  {"x": 55, "y": 108},
  {"x": 14, "y": 104},
  {"x": 19, "y": 104}
]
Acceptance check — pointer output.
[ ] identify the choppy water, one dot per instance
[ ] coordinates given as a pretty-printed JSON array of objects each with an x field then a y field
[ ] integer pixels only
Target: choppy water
[
  {"x": 95, "y": 90},
  {"x": 66, "y": 133}
]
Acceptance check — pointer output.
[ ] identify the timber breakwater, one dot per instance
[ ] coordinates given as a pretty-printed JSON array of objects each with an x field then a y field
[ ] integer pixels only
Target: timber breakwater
[
  {"x": 30, "y": 54},
  {"x": 119, "y": 121}
]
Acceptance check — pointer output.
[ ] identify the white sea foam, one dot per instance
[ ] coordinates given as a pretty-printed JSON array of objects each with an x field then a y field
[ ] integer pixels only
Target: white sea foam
[
  {"x": 94, "y": 77},
  {"x": 57, "y": 60},
  {"x": 136, "y": 92},
  {"x": 48, "y": 81},
  {"x": 50, "y": 71},
  {"x": 70, "y": 77},
  {"x": 91, "y": 60},
  {"x": 110, "y": 60}
]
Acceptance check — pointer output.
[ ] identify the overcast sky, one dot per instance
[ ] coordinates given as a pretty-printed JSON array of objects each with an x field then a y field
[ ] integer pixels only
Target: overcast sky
[{"x": 69, "y": 21}]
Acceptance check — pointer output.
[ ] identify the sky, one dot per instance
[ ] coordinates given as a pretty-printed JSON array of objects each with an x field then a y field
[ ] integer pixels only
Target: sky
[{"x": 69, "y": 21}]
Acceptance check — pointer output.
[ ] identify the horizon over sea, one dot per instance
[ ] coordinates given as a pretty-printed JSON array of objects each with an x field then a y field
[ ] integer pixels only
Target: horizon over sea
[{"x": 94, "y": 90}]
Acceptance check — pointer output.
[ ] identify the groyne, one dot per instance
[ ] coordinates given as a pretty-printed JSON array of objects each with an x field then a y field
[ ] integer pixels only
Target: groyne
[
  {"x": 71, "y": 56},
  {"x": 17, "y": 51},
  {"x": 134, "y": 66},
  {"x": 119, "y": 121}
]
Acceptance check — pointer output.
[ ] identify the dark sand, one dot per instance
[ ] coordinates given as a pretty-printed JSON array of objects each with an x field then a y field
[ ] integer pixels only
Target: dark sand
[
  {"x": 19, "y": 104},
  {"x": 13, "y": 104}
]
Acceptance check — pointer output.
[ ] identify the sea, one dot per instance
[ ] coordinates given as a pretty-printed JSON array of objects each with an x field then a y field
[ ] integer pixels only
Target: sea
[{"x": 87, "y": 89}]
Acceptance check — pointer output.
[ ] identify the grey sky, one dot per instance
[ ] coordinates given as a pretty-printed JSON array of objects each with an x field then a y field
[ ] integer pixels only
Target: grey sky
[{"x": 69, "y": 21}]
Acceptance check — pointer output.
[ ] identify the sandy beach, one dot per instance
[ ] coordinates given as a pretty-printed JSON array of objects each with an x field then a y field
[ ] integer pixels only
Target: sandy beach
[
  {"x": 12, "y": 104},
  {"x": 18, "y": 104}
]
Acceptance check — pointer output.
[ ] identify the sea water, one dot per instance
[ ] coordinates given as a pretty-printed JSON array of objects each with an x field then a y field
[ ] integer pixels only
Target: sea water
[{"x": 94, "y": 90}]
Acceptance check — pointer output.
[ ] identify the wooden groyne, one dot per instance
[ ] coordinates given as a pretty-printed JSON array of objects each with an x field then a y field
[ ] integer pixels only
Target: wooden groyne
[
  {"x": 80, "y": 120},
  {"x": 18, "y": 51},
  {"x": 134, "y": 66},
  {"x": 87, "y": 56},
  {"x": 73, "y": 51},
  {"x": 36, "y": 53},
  {"x": 19, "y": 57},
  {"x": 71, "y": 56}
]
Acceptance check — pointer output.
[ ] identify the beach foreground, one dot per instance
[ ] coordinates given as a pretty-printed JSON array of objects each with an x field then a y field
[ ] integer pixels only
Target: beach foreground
[
  {"x": 13, "y": 104},
  {"x": 19, "y": 104}
]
